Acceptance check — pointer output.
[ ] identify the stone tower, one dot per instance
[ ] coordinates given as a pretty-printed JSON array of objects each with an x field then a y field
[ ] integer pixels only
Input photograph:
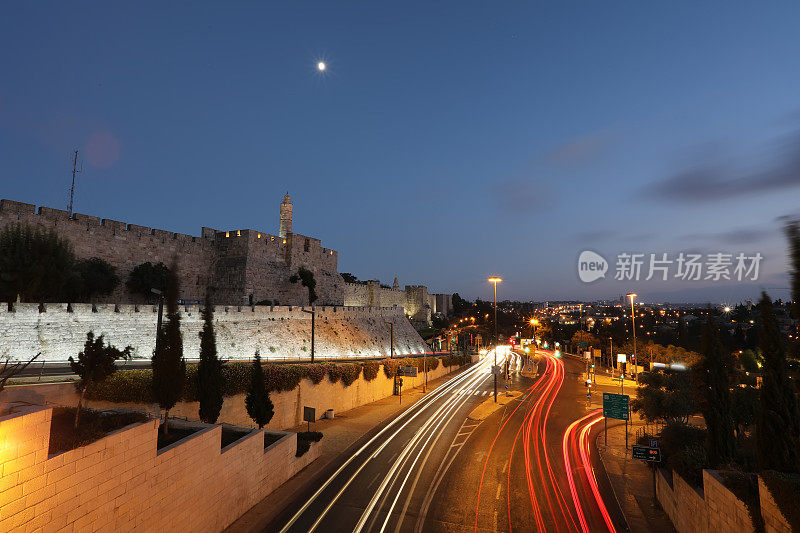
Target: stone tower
[{"x": 285, "y": 226}]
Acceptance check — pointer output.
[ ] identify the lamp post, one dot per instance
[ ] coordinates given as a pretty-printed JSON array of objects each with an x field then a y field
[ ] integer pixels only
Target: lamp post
[
  {"x": 534, "y": 323},
  {"x": 633, "y": 295},
  {"x": 391, "y": 353},
  {"x": 313, "y": 314},
  {"x": 495, "y": 280}
]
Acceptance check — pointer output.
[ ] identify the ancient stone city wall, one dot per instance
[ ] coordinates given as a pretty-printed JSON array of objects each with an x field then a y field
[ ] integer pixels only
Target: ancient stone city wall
[
  {"x": 242, "y": 265},
  {"x": 278, "y": 333}
]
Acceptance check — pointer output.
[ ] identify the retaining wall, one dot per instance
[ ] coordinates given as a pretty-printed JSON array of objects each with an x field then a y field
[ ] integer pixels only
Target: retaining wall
[
  {"x": 288, "y": 405},
  {"x": 122, "y": 482},
  {"x": 713, "y": 508}
]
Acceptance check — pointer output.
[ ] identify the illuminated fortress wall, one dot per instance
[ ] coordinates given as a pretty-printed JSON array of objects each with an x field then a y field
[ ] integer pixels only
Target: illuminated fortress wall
[
  {"x": 278, "y": 333},
  {"x": 242, "y": 266}
]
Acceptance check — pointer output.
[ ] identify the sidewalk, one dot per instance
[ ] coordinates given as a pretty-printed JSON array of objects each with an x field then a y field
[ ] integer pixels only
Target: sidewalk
[
  {"x": 631, "y": 479},
  {"x": 338, "y": 435}
]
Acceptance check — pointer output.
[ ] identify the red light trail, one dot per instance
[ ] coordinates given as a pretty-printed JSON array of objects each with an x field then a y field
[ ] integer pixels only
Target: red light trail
[{"x": 542, "y": 474}]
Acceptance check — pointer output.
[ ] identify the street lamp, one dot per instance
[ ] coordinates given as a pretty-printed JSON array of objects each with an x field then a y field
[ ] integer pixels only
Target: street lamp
[
  {"x": 495, "y": 280},
  {"x": 313, "y": 314},
  {"x": 633, "y": 295}
]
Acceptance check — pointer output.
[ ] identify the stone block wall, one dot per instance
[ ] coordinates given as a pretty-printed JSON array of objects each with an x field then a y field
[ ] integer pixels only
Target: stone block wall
[
  {"x": 242, "y": 266},
  {"x": 288, "y": 405},
  {"x": 277, "y": 332},
  {"x": 774, "y": 521},
  {"x": 714, "y": 508},
  {"x": 122, "y": 482}
]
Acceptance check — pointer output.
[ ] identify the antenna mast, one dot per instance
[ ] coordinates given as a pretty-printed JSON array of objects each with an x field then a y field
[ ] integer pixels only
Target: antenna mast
[{"x": 72, "y": 190}]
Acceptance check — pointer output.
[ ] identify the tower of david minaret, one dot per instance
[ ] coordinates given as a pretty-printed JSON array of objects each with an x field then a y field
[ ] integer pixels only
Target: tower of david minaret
[{"x": 285, "y": 226}]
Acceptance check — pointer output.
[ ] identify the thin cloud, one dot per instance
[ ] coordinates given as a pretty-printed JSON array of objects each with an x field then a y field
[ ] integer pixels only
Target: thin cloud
[
  {"x": 579, "y": 151},
  {"x": 711, "y": 182},
  {"x": 737, "y": 236},
  {"x": 521, "y": 196}
]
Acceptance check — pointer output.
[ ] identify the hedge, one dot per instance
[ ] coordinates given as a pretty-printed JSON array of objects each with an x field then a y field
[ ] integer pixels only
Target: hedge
[
  {"x": 370, "y": 370},
  {"x": 350, "y": 373},
  {"x": 135, "y": 386}
]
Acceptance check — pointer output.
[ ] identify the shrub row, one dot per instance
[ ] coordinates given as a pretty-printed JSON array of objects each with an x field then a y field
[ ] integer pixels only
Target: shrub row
[{"x": 135, "y": 386}]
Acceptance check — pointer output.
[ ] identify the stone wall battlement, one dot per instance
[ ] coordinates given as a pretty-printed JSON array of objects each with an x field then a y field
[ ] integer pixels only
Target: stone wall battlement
[
  {"x": 241, "y": 266},
  {"x": 11, "y": 211}
]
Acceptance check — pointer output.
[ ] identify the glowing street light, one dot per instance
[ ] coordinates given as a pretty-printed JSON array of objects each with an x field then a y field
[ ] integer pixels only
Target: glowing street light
[
  {"x": 321, "y": 66},
  {"x": 495, "y": 280},
  {"x": 633, "y": 295}
]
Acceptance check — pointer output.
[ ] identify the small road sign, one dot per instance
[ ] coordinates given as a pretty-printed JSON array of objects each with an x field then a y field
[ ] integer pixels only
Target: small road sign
[
  {"x": 646, "y": 453},
  {"x": 616, "y": 406},
  {"x": 410, "y": 371},
  {"x": 309, "y": 414}
]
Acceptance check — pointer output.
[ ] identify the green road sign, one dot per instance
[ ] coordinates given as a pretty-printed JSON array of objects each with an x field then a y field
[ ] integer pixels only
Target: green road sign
[
  {"x": 583, "y": 344},
  {"x": 646, "y": 453},
  {"x": 617, "y": 406}
]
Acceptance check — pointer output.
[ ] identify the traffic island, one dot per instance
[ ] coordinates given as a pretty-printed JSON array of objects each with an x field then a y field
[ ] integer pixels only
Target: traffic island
[{"x": 490, "y": 406}]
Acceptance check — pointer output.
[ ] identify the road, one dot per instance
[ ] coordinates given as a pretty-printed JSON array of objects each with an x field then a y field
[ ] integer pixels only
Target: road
[{"x": 529, "y": 466}]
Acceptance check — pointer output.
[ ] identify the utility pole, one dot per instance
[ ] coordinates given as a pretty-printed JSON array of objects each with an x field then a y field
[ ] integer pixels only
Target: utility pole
[
  {"x": 72, "y": 190},
  {"x": 391, "y": 356},
  {"x": 313, "y": 316}
]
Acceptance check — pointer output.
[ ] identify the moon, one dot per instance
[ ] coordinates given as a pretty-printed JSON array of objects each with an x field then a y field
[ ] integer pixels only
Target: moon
[{"x": 321, "y": 66}]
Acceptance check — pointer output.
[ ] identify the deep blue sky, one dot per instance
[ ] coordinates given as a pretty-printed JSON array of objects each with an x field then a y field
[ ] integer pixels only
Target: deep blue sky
[{"x": 446, "y": 142}]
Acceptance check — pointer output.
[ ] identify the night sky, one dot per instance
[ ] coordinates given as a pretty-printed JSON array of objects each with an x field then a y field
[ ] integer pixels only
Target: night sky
[{"x": 445, "y": 142}]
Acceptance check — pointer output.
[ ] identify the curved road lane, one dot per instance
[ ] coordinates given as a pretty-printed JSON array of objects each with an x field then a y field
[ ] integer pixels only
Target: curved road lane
[{"x": 530, "y": 466}]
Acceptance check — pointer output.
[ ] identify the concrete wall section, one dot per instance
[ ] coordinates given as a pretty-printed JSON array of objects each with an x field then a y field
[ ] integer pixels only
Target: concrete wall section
[
  {"x": 282, "y": 333},
  {"x": 122, "y": 482},
  {"x": 288, "y": 405},
  {"x": 714, "y": 508}
]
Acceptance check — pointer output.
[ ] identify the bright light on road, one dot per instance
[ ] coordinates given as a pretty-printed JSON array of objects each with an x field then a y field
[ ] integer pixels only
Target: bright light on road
[{"x": 321, "y": 66}]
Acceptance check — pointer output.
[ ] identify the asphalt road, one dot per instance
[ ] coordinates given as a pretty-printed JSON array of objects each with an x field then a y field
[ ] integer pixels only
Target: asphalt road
[{"x": 529, "y": 466}]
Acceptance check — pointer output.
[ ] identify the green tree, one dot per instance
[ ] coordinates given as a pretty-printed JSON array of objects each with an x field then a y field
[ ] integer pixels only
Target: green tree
[
  {"x": 259, "y": 406},
  {"x": 147, "y": 276},
  {"x": 348, "y": 277},
  {"x": 460, "y": 305},
  {"x": 35, "y": 264},
  {"x": 778, "y": 416},
  {"x": 664, "y": 396},
  {"x": 97, "y": 278},
  {"x": 169, "y": 366},
  {"x": 210, "y": 381},
  {"x": 715, "y": 398},
  {"x": 750, "y": 360},
  {"x": 792, "y": 230},
  {"x": 94, "y": 364},
  {"x": 306, "y": 278}
]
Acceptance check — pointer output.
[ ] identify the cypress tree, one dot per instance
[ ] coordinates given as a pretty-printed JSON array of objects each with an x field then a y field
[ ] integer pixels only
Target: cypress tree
[
  {"x": 716, "y": 402},
  {"x": 778, "y": 416},
  {"x": 793, "y": 236},
  {"x": 259, "y": 406},
  {"x": 210, "y": 382},
  {"x": 169, "y": 366}
]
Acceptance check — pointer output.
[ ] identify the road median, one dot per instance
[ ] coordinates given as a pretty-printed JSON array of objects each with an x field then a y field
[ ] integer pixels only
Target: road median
[{"x": 490, "y": 406}]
